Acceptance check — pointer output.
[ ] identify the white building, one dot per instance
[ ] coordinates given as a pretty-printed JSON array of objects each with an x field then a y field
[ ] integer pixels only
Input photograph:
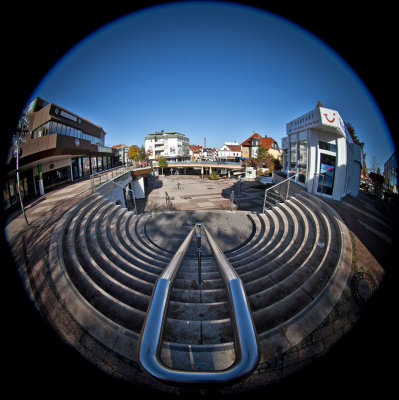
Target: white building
[
  {"x": 171, "y": 145},
  {"x": 123, "y": 152},
  {"x": 320, "y": 149},
  {"x": 195, "y": 152},
  {"x": 229, "y": 151}
]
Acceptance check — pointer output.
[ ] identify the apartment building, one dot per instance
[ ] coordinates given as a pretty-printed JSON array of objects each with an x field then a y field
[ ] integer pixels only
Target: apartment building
[{"x": 173, "y": 146}]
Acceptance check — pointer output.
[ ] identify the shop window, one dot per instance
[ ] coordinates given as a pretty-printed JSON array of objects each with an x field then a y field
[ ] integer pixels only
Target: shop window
[
  {"x": 54, "y": 177},
  {"x": 293, "y": 153},
  {"x": 303, "y": 161},
  {"x": 76, "y": 168},
  {"x": 86, "y": 166},
  {"x": 327, "y": 174},
  {"x": 12, "y": 185}
]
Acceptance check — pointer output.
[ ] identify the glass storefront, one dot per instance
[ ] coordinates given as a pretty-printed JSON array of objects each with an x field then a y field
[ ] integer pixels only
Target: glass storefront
[
  {"x": 327, "y": 174},
  {"x": 293, "y": 154},
  {"x": 54, "y": 178},
  {"x": 10, "y": 189},
  {"x": 93, "y": 165},
  {"x": 10, "y": 194},
  {"x": 303, "y": 161},
  {"x": 80, "y": 167},
  {"x": 76, "y": 168},
  {"x": 86, "y": 166},
  {"x": 99, "y": 164}
]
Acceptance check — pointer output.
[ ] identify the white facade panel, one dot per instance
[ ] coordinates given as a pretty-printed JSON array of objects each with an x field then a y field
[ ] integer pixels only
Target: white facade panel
[{"x": 333, "y": 163}]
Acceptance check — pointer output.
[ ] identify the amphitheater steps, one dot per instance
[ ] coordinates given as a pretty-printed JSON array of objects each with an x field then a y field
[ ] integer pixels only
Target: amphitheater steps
[{"x": 105, "y": 263}]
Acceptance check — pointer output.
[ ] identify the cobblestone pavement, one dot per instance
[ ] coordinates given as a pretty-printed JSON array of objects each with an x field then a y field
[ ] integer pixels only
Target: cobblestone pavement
[{"x": 357, "y": 364}]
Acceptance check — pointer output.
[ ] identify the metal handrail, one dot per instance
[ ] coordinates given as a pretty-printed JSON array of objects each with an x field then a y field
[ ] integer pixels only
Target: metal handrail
[
  {"x": 245, "y": 339},
  {"x": 117, "y": 171},
  {"x": 155, "y": 163},
  {"x": 126, "y": 189},
  {"x": 322, "y": 182},
  {"x": 279, "y": 184}
]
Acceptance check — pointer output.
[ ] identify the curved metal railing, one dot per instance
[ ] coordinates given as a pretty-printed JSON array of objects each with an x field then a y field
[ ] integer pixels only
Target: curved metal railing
[
  {"x": 245, "y": 339},
  {"x": 283, "y": 193}
]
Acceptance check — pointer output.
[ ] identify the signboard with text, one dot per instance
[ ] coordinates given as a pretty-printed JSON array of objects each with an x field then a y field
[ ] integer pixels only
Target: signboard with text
[{"x": 320, "y": 116}]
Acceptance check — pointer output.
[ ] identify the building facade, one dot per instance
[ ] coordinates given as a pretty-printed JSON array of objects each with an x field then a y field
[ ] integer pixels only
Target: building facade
[
  {"x": 122, "y": 151},
  {"x": 171, "y": 145},
  {"x": 319, "y": 150},
  {"x": 250, "y": 146},
  {"x": 391, "y": 173},
  {"x": 195, "y": 152},
  {"x": 230, "y": 151},
  {"x": 61, "y": 147}
]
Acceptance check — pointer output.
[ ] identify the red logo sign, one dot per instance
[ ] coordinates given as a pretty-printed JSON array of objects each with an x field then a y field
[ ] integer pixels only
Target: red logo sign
[{"x": 328, "y": 119}]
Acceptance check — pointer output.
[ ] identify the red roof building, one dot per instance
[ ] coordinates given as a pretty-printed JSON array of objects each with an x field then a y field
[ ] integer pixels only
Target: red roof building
[{"x": 249, "y": 147}]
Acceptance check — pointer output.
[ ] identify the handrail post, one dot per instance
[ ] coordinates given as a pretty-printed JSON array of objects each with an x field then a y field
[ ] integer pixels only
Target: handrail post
[
  {"x": 322, "y": 185},
  {"x": 199, "y": 255},
  {"x": 264, "y": 200},
  {"x": 199, "y": 260}
]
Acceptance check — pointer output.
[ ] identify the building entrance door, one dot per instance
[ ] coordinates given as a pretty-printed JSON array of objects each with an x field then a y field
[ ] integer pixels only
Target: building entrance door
[{"x": 324, "y": 182}]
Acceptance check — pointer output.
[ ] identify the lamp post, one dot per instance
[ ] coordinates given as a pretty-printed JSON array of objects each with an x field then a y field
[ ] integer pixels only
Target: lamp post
[{"x": 19, "y": 137}]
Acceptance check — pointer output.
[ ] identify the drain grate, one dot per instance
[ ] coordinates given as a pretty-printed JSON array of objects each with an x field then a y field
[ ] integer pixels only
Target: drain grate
[{"x": 362, "y": 287}]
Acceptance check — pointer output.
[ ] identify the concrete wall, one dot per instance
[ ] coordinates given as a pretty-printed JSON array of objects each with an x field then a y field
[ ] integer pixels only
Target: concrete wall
[
  {"x": 114, "y": 192},
  {"x": 138, "y": 188}
]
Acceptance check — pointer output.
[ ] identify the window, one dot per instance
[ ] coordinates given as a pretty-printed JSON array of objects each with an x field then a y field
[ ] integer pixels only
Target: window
[
  {"x": 303, "y": 160},
  {"x": 53, "y": 127},
  {"x": 41, "y": 131},
  {"x": 293, "y": 153},
  {"x": 328, "y": 146}
]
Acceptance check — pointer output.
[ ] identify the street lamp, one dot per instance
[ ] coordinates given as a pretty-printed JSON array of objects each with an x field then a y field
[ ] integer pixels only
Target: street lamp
[{"x": 19, "y": 137}]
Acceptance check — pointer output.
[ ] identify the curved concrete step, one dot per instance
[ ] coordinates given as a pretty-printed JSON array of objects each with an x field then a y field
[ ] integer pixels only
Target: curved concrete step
[
  {"x": 293, "y": 261},
  {"x": 265, "y": 266},
  {"x": 132, "y": 235},
  {"x": 99, "y": 288},
  {"x": 108, "y": 241}
]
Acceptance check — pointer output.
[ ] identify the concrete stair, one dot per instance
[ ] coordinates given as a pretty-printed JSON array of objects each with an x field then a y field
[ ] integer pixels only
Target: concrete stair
[{"x": 294, "y": 262}]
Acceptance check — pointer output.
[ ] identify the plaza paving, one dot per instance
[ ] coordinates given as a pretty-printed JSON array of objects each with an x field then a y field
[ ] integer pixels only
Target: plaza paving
[{"x": 365, "y": 342}]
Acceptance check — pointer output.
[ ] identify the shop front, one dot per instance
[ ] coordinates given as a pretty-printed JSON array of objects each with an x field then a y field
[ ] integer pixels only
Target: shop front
[{"x": 319, "y": 151}]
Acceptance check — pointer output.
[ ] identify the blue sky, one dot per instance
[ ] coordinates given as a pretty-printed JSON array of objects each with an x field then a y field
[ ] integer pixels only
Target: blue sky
[{"x": 218, "y": 71}]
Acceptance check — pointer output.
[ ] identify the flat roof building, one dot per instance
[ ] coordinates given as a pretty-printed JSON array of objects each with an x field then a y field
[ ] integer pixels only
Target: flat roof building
[
  {"x": 319, "y": 149},
  {"x": 61, "y": 147},
  {"x": 171, "y": 145}
]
